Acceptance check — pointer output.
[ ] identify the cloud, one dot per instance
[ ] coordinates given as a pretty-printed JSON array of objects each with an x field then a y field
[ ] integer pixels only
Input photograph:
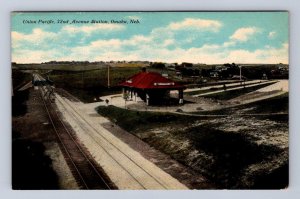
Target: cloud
[
  {"x": 160, "y": 37},
  {"x": 35, "y": 56},
  {"x": 199, "y": 24},
  {"x": 229, "y": 43},
  {"x": 40, "y": 38},
  {"x": 36, "y": 37},
  {"x": 88, "y": 29},
  {"x": 269, "y": 55},
  {"x": 138, "y": 40},
  {"x": 27, "y": 47},
  {"x": 272, "y": 35},
  {"x": 244, "y": 34},
  {"x": 168, "y": 42},
  {"x": 114, "y": 44},
  {"x": 182, "y": 32},
  {"x": 108, "y": 56},
  {"x": 111, "y": 43},
  {"x": 104, "y": 51}
]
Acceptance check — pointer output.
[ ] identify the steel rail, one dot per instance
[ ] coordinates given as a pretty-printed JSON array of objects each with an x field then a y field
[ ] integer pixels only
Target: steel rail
[
  {"x": 114, "y": 147},
  {"x": 85, "y": 184}
]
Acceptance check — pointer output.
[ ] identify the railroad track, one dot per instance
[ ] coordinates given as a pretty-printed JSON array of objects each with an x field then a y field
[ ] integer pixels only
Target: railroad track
[
  {"x": 85, "y": 170},
  {"x": 86, "y": 126},
  {"x": 127, "y": 168},
  {"x": 133, "y": 168},
  {"x": 66, "y": 94}
]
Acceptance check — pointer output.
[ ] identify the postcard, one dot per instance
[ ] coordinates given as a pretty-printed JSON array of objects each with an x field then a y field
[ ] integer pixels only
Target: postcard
[{"x": 150, "y": 100}]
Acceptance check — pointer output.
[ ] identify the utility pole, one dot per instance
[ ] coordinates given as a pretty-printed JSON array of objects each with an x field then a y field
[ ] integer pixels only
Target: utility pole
[{"x": 240, "y": 73}]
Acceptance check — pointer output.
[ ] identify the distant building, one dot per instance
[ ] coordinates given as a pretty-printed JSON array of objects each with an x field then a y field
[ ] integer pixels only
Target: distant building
[{"x": 152, "y": 88}]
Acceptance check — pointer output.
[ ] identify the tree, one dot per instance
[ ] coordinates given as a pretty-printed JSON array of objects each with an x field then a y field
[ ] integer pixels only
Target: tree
[{"x": 158, "y": 65}]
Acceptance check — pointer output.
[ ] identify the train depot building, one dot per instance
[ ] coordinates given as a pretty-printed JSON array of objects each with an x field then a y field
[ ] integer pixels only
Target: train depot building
[{"x": 152, "y": 88}]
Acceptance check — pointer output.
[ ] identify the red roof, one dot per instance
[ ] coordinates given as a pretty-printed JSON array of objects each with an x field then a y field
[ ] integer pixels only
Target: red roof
[{"x": 150, "y": 80}]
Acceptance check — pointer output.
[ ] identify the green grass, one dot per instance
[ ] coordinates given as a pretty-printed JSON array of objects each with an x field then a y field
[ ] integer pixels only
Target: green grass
[
  {"x": 76, "y": 66},
  {"x": 92, "y": 78},
  {"x": 91, "y": 84},
  {"x": 230, "y": 152},
  {"x": 132, "y": 120},
  {"x": 62, "y": 67}
]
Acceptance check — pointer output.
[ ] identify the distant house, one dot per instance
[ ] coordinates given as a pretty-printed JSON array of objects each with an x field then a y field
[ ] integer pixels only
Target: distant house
[{"x": 152, "y": 88}]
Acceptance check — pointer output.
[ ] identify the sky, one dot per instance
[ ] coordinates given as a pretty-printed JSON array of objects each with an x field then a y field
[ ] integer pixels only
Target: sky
[{"x": 197, "y": 37}]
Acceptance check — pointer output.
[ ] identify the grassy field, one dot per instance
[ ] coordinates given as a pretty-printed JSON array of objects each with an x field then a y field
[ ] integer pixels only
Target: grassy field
[
  {"x": 62, "y": 67},
  {"x": 136, "y": 120},
  {"x": 75, "y": 66},
  {"x": 128, "y": 65},
  {"x": 91, "y": 84},
  {"x": 92, "y": 78},
  {"x": 209, "y": 146}
]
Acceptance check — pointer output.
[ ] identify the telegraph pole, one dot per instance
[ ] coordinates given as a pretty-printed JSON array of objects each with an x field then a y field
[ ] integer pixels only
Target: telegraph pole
[{"x": 240, "y": 73}]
